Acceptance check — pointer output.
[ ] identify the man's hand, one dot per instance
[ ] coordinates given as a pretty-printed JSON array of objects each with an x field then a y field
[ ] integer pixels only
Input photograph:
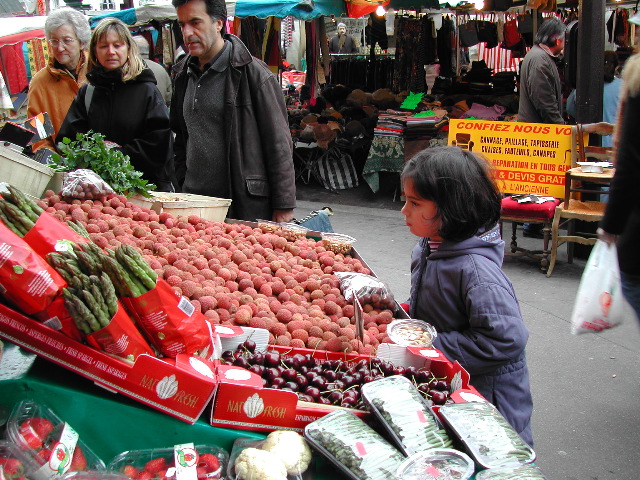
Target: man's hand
[
  {"x": 282, "y": 215},
  {"x": 606, "y": 237}
]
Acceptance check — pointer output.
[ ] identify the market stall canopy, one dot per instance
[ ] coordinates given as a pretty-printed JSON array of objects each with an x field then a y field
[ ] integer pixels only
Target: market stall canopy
[
  {"x": 19, "y": 29},
  {"x": 147, "y": 13},
  {"x": 301, "y": 9}
]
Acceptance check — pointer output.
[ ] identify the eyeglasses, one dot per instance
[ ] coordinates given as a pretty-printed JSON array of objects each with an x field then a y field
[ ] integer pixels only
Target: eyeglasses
[{"x": 66, "y": 41}]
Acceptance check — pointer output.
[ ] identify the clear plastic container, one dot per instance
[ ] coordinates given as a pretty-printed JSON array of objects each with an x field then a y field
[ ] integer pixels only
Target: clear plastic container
[
  {"x": 160, "y": 462},
  {"x": 404, "y": 413},
  {"x": 14, "y": 460},
  {"x": 338, "y": 242},
  {"x": 293, "y": 231},
  {"x": 522, "y": 472},
  {"x": 486, "y": 434},
  {"x": 437, "y": 464},
  {"x": 353, "y": 447},
  {"x": 94, "y": 475},
  {"x": 267, "y": 226},
  {"x": 412, "y": 333},
  {"x": 46, "y": 442}
]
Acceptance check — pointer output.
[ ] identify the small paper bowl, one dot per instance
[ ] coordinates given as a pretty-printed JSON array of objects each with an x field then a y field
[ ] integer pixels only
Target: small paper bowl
[
  {"x": 412, "y": 333},
  {"x": 337, "y": 242}
]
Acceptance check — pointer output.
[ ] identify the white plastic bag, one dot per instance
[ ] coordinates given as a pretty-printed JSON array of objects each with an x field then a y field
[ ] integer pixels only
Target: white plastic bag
[{"x": 599, "y": 303}]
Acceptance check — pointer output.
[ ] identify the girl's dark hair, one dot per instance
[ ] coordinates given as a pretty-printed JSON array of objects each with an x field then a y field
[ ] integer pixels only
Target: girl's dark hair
[{"x": 462, "y": 186}]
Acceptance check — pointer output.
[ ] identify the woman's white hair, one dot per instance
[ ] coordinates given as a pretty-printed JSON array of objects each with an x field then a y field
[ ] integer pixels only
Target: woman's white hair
[{"x": 69, "y": 16}]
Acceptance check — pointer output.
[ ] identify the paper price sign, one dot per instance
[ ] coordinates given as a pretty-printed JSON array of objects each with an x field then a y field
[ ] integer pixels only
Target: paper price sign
[{"x": 527, "y": 157}]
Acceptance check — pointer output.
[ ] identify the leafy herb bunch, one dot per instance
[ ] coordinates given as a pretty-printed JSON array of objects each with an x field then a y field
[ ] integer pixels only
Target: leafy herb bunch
[{"x": 90, "y": 150}]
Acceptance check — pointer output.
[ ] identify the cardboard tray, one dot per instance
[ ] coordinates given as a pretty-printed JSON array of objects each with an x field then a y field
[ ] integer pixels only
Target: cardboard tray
[
  {"x": 181, "y": 388},
  {"x": 242, "y": 402},
  {"x": 24, "y": 173},
  {"x": 209, "y": 208}
]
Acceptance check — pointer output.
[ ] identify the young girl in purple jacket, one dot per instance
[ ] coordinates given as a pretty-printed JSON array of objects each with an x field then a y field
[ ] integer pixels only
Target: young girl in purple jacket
[{"x": 457, "y": 282}]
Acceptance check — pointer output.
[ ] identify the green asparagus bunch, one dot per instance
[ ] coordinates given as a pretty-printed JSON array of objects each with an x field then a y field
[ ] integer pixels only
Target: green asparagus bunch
[
  {"x": 131, "y": 274},
  {"x": 91, "y": 301},
  {"x": 18, "y": 212}
]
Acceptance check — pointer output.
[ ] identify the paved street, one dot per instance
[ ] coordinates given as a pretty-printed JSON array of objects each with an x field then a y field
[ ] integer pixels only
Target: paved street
[{"x": 586, "y": 388}]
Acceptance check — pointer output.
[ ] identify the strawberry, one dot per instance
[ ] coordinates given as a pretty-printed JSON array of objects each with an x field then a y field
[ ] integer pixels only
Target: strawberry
[
  {"x": 12, "y": 467},
  {"x": 209, "y": 462},
  {"x": 144, "y": 475},
  {"x": 78, "y": 461},
  {"x": 130, "y": 471},
  {"x": 43, "y": 456},
  {"x": 35, "y": 430},
  {"x": 155, "y": 465}
]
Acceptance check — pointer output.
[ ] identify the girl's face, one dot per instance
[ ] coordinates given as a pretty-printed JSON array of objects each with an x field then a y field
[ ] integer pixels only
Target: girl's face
[
  {"x": 420, "y": 215},
  {"x": 111, "y": 51}
]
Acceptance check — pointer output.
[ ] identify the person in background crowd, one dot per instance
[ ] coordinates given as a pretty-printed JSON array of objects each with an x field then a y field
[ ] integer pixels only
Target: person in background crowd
[
  {"x": 163, "y": 80},
  {"x": 230, "y": 120},
  {"x": 457, "y": 282},
  {"x": 123, "y": 103},
  {"x": 621, "y": 222},
  {"x": 54, "y": 87},
  {"x": 540, "y": 88},
  {"x": 342, "y": 43},
  {"x": 610, "y": 94}
]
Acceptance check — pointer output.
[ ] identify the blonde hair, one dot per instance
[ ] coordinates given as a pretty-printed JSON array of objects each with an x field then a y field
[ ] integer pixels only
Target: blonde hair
[{"x": 134, "y": 64}]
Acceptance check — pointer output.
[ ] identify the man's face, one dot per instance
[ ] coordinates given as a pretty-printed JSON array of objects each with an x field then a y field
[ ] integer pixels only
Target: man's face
[
  {"x": 202, "y": 35},
  {"x": 342, "y": 30}
]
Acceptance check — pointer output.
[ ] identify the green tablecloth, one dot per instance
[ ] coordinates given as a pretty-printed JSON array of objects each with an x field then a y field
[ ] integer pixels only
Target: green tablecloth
[
  {"x": 109, "y": 423},
  {"x": 386, "y": 154}
]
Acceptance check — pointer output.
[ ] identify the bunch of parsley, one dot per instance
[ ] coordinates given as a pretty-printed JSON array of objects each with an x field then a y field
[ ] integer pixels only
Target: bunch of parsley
[{"x": 89, "y": 150}]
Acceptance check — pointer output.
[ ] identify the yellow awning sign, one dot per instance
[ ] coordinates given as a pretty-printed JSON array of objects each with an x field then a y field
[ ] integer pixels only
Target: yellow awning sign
[{"x": 527, "y": 157}]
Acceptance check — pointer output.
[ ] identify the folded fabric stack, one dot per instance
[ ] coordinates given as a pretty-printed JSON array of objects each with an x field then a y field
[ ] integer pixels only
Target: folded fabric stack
[
  {"x": 423, "y": 126},
  {"x": 390, "y": 124},
  {"x": 504, "y": 83}
]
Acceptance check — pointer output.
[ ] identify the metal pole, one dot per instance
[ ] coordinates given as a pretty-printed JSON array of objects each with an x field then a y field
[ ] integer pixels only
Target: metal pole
[{"x": 590, "y": 72}]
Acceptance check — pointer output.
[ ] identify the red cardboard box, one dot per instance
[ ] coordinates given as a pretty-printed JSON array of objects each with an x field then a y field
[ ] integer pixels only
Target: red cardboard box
[
  {"x": 242, "y": 402},
  {"x": 181, "y": 387}
]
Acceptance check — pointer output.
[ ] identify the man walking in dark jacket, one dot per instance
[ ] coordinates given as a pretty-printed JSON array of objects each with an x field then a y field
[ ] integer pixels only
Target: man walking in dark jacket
[
  {"x": 540, "y": 88},
  {"x": 230, "y": 120}
]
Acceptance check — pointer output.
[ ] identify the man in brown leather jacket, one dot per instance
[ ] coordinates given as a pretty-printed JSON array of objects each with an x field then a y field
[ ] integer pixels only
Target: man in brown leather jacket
[{"x": 230, "y": 119}]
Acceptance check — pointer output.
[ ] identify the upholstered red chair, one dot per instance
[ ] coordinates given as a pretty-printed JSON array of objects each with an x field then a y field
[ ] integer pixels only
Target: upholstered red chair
[{"x": 519, "y": 213}]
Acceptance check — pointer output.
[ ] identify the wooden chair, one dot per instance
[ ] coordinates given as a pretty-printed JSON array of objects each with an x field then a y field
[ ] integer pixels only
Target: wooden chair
[
  {"x": 519, "y": 213},
  {"x": 578, "y": 183}
]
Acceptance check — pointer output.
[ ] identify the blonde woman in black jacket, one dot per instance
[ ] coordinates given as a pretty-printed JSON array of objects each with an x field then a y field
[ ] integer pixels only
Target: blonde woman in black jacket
[
  {"x": 123, "y": 103},
  {"x": 621, "y": 223}
]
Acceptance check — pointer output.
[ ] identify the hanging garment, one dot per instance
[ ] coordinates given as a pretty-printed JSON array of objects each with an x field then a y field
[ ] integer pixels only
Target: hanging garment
[
  {"x": 468, "y": 33},
  {"x": 428, "y": 47},
  {"x": 445, "y": 46},
  {"x": 487, "y": 33},
  {"x": 408, "y": 73},
  {"x": 38, "y": 54},
  {"x": 271, "y": 45},
  {"x": 14, "y": 68}
]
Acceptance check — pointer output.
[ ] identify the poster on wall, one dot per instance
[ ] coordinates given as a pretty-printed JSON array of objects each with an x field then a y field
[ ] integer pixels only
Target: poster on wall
[{"x": 528, "y": 157}]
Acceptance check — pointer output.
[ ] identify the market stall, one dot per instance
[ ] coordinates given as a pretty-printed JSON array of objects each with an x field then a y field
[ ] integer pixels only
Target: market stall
[{"x": 148, "y": 340}]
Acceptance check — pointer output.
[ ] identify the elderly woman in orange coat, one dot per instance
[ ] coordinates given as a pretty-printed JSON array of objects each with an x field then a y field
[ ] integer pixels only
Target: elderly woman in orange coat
[{"x": 54, "y": 87}]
